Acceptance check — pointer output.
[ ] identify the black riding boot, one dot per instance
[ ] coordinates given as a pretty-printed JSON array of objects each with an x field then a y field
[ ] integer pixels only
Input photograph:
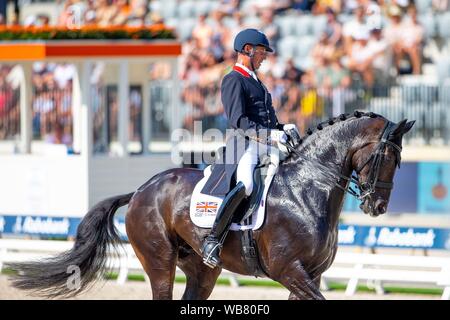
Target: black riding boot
[{"x": 213, "y": 243}]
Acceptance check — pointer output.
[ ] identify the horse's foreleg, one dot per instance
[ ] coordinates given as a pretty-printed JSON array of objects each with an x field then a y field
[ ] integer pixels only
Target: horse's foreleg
[
  {"x": 200, "y": 279},
  {"x": 299, "y": 283}
]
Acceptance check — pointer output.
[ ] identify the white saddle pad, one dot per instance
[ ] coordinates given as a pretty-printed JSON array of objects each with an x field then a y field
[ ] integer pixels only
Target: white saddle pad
[{"x": 204, "y": 207}]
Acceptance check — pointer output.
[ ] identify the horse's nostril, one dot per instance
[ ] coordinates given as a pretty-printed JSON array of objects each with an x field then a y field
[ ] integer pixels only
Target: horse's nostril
[{"x": 381, "y": 206}]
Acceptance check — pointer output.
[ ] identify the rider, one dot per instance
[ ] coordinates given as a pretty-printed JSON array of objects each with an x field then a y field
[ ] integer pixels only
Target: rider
[{"x": 248, "y": 106}]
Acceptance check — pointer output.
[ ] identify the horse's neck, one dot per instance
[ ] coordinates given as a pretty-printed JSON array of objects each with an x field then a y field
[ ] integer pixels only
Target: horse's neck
[
  {"x": 328, "y": 150},
  {"x": 324, "y": 155}
]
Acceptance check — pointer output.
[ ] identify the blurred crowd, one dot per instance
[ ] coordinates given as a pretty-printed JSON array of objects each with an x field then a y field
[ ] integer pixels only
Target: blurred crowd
[{"x": 376, "y": 42}]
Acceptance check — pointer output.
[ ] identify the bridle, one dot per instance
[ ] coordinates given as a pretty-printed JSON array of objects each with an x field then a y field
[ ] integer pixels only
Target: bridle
[
  {"x": 368, "y": 187},
  {"x": 375, "y": 159}
]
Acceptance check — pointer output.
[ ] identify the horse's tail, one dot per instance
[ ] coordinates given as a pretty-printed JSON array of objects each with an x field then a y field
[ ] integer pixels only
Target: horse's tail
[{"x": 70, "y": 272}]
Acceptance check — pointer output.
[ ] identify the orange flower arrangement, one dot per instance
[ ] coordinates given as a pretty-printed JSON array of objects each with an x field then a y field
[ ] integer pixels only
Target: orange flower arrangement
[{"x": 156, "y": 31}]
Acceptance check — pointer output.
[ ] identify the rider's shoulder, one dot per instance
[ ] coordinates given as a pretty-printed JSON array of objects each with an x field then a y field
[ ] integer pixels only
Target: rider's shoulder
[{"x": 232, "y": 77}]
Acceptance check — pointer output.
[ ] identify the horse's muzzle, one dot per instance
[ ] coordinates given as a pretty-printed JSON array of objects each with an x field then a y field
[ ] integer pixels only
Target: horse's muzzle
[
  {"x": 373, "y": 209},
  {"x": 380, "y": 206}
]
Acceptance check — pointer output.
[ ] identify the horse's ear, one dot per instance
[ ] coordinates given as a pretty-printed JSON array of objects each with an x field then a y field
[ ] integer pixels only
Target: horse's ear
[
  {"x": 398, "y": 128},
  {"x": 408, "y": 126}
]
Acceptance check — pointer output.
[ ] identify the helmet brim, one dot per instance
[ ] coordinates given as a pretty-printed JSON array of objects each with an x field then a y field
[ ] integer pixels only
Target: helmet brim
[{"x": 269, "y": 49}]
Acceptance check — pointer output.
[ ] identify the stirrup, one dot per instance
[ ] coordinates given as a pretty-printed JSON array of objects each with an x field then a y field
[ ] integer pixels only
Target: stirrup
[{"x": 212, "y": 259}]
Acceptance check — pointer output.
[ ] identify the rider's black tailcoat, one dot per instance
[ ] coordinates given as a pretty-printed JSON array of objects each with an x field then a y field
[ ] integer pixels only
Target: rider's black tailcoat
[{"x": 248, "y": 106}]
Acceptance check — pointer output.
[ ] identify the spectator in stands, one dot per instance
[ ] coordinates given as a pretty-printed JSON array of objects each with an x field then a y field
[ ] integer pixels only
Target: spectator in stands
[
  {"x": 220, "y": 36},
  {"x": 104, "y": 13},
  {"x": 333, "y": 28},
  {"x": 236, "y": 26},
  {"x": 322, "y": 50},
  {"x": 406, "y": 38},
  {"x": 211, "y": 70},
  {"x": 273, "y": 65},
  {"x": 302, "y": 5},
  {"x": 402, "y": 4},
  {"x": 361, "y": 57},
  {"x": 217, "y": 47},
  {"x": 381, "y": 55},
  {"x": 137, "y": 13},
  {"x": 352, "y": 26},
  {"x": 135, "y": 101},
  {"x": 267, "y": 25},
  {"x": 63, "y": 103},
  {"x": 44, "y": 20},
  {"x": 59, "y": 135},
  {"x": 321, "y": 6},
  {"x": 264, "y": 4},
  {"x": 412, "y": 40},
  {"x": 311, "y": 104},
  {"x": 203, "y": 32},
  {"x": 63, "y": 74},
  {"x": 373, "y": 15},
  {"x": 72, "y": 14},
  {"x": 440, "y": 5},
  {"x": 292, "y": 73},
  {"x": 44, "y": 112},
  {"x": 276, "y": 86},
  {"x": 280, "y": 6},
  {"x": 290, "y": 104},
  {"x": 30, "y": 21},
  {"x": 229, "y": 7},
  {"x": 122, "y": 14},
  {"x": 331, "y": 75},
  {"x": 90, "y": 14},
  {"x": 5, "y": 98},
  {"x": 394, "y": 33}
]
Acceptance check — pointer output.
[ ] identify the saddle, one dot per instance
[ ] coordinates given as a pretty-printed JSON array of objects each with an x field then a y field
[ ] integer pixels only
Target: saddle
[{"x": 249, "y": 215}]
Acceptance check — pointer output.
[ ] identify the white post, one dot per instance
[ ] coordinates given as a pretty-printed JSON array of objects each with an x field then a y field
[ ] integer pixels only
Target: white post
[
  {"x": 446, "y": 294},
  {"x": 124, "y": 110},
  {"x": 86, "y": 110},
  {"x": 77, "y": 108},
  {"x": 352, "y": 284},
  {"x": 324, "y": 285},
  {"x": 176, "y": 116},
  {"x": 26, "y": 109},
  {"x": 146, "y": 123},
  {"x": 86, "y": 128}
]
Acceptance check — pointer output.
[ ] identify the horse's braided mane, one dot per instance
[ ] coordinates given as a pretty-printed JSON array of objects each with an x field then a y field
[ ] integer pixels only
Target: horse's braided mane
[
  {"x": 330, "y": 122},
  {"x": 340, "y": 118}
]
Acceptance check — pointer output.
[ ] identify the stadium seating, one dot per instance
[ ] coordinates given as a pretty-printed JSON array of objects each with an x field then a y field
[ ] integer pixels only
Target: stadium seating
[
  {"x": 429, "y": 23},
  {"x": 303, "y": 25},
  {"x": 423, "y": 6},
  {"x": 443, "y": 21},
  {"x": 287, "y": 47}
]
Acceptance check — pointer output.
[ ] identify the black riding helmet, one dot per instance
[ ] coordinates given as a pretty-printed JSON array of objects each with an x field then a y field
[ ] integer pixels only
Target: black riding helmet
[{"x": 253, "y": 37}]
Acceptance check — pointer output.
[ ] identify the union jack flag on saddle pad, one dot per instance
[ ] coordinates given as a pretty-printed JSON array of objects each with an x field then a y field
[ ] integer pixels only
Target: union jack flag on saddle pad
[{"x": 206, "y": 208}]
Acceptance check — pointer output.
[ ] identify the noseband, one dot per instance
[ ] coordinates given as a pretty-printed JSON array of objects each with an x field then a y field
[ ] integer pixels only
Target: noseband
[{"x": 376, "y": 158}]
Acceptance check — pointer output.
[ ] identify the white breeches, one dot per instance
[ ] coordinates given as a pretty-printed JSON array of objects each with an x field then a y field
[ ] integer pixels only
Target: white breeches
[{"x": 248, "y": 162}]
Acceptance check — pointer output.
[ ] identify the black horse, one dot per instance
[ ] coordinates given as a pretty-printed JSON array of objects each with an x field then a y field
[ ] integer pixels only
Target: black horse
[{"x": 297, "y": 242}]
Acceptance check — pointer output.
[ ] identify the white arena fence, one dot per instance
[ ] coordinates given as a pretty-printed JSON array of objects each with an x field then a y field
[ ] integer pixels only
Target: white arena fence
[{"x": 348, "y": 266}]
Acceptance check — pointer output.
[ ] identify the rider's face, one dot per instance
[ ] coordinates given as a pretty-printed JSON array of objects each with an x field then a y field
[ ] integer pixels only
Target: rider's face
[{"x": 259, "y": 56}]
